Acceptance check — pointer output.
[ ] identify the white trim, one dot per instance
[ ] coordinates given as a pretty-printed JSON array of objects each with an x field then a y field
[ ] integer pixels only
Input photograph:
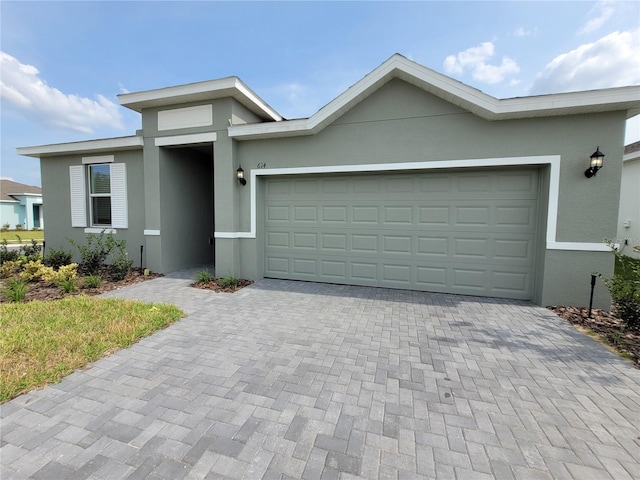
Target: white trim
[
  {"x": 98, "y": 159},
  {"x": 104, "y": 145},
  {"x": 152, "y": 233},
  {"x": 200, "y": 92},
  {"x": 186, "y": 139},
  {"x": 100, "y": 230},
  {"x": 554, "y": 188},
  {"x": 579, "y": 246}
]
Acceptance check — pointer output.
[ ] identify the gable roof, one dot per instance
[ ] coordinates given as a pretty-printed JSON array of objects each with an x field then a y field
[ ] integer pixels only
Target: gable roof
[
  {"x": 453, "y": 91},
  {"x": 198, "y": 92},
  {"x": 9, "y": 188}
]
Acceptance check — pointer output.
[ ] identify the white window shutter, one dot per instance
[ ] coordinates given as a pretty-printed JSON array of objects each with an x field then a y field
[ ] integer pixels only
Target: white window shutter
[
  {"x": 78, "y": 196},
  {"x": 119, "y": 215}
]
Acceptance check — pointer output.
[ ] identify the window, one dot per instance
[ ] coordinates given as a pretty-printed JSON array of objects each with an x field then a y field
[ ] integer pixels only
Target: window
[
  {"x": 106, "y": 194},
  {"x": 100, "y": 194}
]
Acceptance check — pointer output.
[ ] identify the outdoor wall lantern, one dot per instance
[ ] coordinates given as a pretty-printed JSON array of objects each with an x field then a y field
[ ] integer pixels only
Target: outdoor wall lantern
[
  {"x": 240, "y": 176},
  {"x": 595, "y": 163}
]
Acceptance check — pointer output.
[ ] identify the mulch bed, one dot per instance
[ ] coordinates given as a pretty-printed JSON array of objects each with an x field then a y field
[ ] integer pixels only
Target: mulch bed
[
  {"x": 610, "y": 329},
  {"x": 213, "y": 285},
  {"x": 47, "y": 291}
]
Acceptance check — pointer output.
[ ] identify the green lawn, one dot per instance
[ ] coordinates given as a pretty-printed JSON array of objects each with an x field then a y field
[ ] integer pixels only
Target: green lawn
[
  {"x": 42, "y": 342},
  {"x": 25, "y": 235}
]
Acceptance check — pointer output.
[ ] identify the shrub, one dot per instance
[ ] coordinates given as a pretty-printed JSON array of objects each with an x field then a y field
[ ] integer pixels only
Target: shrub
[
  {"x": 624, "y": 287},
  {"x": 64, "y": 273},
  {"x": 31, "y": 251},
  {"x": 94, "y": 253},
  {"x": 121, "y": 265},
  {"x": 8, "y": 268},
  {"x": 19, "y": 227},
  {"x": 16, "y": 290},
  {"x": 5, "y": 227},
  {"x": 58, "y": 258},
  {"x": 33, "y": 270},
  {"x": 7, "y": 255}
]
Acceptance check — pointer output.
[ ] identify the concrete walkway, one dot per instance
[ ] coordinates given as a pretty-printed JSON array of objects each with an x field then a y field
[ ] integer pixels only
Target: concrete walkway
[{"x": 302, "y": 380}]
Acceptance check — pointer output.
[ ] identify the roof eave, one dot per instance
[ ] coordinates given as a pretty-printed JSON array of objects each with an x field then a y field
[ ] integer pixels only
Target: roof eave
[
  {"x": 198, "y": 92},
  {"x": 458, "y": 93},
  {"x": 89, "y": 146}
]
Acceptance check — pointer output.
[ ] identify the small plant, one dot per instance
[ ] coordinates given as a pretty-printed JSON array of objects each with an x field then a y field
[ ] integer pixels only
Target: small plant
[
  {"x": 68, "y": 285},
  {"x": 5, "y": 227},
  {"x": 63, "y": 273},
  {"x": 146, "y": 272},
  {"x": 58, "y": 258},
  {"x": 94, "y": 253},
  {"x": 228, "y": 282},
  {"x": 8, "y": 268},
  {"x": 121, "y": 266},
  {"x": 92, "y": 281},
  {"x": 7, "y": 255},
  {"x": 19, "y": 227},
  {"x": 624, "y": 287},
  {"x": 204, "y": 276},
  {"x": 16, "y": 290},
  {"x": 32, "y": 271},
  {"x": 32, "y": 251}
]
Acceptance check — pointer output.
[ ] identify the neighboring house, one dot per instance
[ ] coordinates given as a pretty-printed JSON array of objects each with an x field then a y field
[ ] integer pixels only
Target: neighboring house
[
  {"x": 409, "y": 179},
  {"x": 20, "y": 204},
  {"x": 629, "y": 223}
]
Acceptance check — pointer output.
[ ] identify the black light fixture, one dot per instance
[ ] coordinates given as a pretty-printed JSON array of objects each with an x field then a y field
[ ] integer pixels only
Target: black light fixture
[
  {"x": 595, "y": 163},
  {"x": 240, "y": 176}
]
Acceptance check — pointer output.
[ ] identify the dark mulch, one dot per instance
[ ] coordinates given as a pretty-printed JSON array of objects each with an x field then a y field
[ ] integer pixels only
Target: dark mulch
[
  {"x": 609, "y": 329},
  {"x": 213, "y": 285},
  {"x": 47, "y": 291}
]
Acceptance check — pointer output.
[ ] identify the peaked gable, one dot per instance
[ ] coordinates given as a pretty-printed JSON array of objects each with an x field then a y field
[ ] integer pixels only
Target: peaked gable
[{"x": 453, "y": 91}]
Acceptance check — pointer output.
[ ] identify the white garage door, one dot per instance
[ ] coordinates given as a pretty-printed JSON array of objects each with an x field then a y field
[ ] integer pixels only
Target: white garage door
[{"x": 455, "y": 231}]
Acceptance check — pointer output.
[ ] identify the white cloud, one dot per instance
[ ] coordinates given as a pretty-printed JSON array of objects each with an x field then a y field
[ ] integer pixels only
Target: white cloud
[
  {"x": 521, "y": 32},
  {"x": 603, "y": 10},
  {"x": 609, "y": 62},
  {"x": 475, "y": 59},
  {"x": 22, "y": 88}
]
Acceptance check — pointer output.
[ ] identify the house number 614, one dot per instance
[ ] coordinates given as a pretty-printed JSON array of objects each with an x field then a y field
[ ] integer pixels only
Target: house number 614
[{"x": 262, "y": 165}]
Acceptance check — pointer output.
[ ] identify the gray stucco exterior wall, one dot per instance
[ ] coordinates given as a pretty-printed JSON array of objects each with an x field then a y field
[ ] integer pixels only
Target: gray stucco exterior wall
[{"x": 183, "y": 190}]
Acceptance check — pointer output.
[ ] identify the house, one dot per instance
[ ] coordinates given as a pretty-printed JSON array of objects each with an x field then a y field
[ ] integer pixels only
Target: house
[
  {"x": 629, "y": 222},
  {"x": 21, "y": 205},
  {"x": 409, "y": 179}
]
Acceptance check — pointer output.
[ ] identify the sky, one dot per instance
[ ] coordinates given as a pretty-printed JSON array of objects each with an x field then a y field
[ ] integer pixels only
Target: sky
[{"x": 64, "y": 63}]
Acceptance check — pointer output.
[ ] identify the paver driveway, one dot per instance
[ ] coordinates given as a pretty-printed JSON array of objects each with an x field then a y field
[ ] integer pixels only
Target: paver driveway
[{"x": 303, "y": 380}]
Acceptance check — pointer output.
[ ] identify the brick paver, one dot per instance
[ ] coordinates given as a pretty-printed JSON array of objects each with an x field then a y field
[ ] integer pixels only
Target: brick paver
[{"x": 309, "y": 381}]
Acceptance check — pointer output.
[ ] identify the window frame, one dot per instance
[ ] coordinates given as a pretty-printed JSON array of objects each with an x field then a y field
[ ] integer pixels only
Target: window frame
[{"x": 91, "y": 196}]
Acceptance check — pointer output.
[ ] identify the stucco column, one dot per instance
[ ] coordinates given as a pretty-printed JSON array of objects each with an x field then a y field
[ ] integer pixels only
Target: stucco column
[
  {"x": 152, "y": 224},
  {"x": 226, "y": 189}
]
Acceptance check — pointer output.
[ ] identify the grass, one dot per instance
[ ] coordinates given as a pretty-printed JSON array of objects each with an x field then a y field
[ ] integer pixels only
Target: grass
[
  {"x": 25, "y": 236},
  {"x": 42, "y": 342}
]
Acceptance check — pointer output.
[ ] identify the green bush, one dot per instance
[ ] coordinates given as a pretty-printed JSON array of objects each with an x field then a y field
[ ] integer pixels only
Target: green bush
[
  {"x": 121, "y": 265},
  {"x": 58, "y": 258},
  {"x": 7, "y": 255},
  {"x": 32, "y": 251},
  {"x": 96, "y": 251},
  {"x": 624, "y": 287},
  {"x": 68, "y": 285}
]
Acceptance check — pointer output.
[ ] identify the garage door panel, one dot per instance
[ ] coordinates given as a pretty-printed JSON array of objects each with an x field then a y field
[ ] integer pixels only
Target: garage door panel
[{"x": 456, "y": 232}]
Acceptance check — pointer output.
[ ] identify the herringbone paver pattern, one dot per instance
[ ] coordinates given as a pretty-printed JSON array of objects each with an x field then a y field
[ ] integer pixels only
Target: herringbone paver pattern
[{"x": 292, "y": 380}]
